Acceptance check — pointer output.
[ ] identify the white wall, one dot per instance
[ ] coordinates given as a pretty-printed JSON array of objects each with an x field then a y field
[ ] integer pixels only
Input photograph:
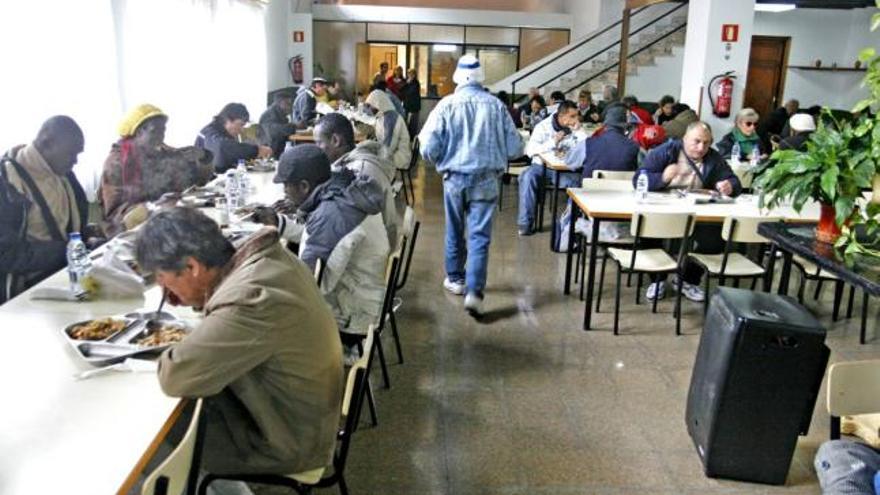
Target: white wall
[
  {"x": 652, "y": 82},
  {"x": 335, "y": 47},
  {"x": 369, "y": 13},
  {"x": 827, "y": 35},
  {"x": 585, "y": 16}
]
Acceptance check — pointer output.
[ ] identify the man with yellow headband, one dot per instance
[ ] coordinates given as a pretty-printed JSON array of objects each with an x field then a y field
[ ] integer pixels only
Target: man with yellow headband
[{"x": 141, "y": 168}]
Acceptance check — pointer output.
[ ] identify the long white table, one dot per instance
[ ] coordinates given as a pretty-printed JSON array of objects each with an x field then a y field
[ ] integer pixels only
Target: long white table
[
  {"x": 94, "y": 436},
  {"x": 616, "y": 205}
]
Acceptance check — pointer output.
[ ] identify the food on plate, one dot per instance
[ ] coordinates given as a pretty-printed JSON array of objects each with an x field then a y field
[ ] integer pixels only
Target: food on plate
[
  {"x": 97, "y": 329},
  {"x": 166, "y": 334}
]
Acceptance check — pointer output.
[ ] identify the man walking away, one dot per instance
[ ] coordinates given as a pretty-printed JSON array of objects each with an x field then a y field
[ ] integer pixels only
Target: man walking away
[{"x": 469, "y": 136}]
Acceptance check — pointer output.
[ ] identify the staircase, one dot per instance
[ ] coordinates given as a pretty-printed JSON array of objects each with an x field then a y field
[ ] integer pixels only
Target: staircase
[{"x": 657, "y": 33}]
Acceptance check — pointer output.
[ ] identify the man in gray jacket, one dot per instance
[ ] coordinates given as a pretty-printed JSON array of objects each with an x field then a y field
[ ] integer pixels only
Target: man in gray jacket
[
  {"x": 304, "y": 113},
  {"x": 266, "y": 358}
]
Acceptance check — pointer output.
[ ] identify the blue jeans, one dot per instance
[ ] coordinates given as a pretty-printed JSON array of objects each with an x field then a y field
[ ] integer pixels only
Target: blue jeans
[
  {"x": 846, "y": 467},
  {"x": 529, "y": 185},
  {"x": 469, "y": 200}
]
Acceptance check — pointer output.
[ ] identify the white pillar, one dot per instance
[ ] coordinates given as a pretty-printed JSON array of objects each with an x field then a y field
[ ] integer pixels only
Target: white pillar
[{"x": 706, "y": 55}]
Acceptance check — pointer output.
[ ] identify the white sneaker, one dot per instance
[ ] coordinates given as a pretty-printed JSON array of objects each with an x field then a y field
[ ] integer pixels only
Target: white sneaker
[
  {"x": 656, "y": 290},
  {"x": 690, "y": 291},
  {"x": 473, "y": 304},
  {"x": 457, "y": 288}
]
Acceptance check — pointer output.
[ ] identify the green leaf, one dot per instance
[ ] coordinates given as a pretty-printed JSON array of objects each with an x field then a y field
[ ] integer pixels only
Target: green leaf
[
  {"x": 867, "y": 54},
  {"x": 875, "y": 19},
  {"x": 861, "y": 106},
  {"x": 829, "y": 181}
]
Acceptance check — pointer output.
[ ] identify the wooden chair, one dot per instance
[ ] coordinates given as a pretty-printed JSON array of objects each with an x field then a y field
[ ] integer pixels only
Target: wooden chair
[
  {"x": 853, "y": 390},
  {"x": 645, "y": 225},
  {"x": 352, "y": 403},
  {"x": 732, "y": 264},
  {"x": 179, "y": 472}
]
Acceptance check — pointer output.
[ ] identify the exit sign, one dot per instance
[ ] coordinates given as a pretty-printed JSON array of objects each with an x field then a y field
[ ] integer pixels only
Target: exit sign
[{"x": 730, "y": 33}]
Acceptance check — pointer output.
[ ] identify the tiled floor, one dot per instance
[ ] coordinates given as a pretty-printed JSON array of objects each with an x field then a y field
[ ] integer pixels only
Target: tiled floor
[{"x": 527, "y": 402}]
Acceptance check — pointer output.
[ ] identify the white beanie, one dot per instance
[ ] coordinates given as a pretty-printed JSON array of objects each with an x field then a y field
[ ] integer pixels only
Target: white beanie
[
  {"x": 468, "y": 70},
  {"x": 802, "y": 122}
]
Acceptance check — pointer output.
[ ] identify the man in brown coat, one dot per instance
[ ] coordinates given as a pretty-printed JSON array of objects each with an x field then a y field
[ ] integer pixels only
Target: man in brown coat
[{"x": 266, "y": 357}]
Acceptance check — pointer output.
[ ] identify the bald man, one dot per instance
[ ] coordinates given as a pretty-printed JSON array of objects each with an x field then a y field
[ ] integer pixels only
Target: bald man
[
  {"x": 690, "y": 163},
  {"x": 41, "y": 203}
]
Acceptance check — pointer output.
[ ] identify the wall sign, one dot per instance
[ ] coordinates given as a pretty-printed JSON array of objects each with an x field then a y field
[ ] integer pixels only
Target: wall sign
[
  {"x": 730, "y": 33},
  {"x": 299, "y": 36}
]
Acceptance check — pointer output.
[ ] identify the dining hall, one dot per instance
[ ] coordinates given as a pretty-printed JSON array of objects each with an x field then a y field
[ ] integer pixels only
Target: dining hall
[{"x": 395, "y": 247}]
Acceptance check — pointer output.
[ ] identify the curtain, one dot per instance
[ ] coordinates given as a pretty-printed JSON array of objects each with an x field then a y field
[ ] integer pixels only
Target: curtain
[{"x": 95, "y": 60}]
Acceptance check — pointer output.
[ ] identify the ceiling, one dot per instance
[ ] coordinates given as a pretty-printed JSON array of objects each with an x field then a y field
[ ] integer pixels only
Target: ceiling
[{"x": 825, "y": 4}]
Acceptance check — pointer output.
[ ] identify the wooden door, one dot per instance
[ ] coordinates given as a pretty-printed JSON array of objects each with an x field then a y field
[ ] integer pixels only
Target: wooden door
[{"x": 766, "y": 79}]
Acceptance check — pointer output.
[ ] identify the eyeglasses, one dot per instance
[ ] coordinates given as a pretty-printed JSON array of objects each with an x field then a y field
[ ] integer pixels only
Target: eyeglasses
[{"x": 749, "y": 124}]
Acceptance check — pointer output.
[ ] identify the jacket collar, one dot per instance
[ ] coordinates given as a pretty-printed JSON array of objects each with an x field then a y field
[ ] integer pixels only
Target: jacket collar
[{"x": 264, "y": 239}]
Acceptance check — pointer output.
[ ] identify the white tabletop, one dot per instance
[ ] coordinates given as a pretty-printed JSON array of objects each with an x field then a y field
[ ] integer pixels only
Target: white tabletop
[
  {"x": 60, "y": 435},
  {"x": 621, "y": 205}
]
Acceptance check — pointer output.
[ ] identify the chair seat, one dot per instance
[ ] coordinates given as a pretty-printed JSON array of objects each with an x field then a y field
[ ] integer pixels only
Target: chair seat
[
  {"x": 516, "y": 171},
  {"x": 737, "y": 264},
  {"x": 648, "y": 260},
  {"x": 811, "y": 269},
  {"x": 308, "y": 477}
]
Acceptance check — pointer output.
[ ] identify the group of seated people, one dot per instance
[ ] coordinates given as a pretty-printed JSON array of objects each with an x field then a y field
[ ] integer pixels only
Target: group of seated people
[
  {"x": 672, "y": 146},
  {"x": 269, "y": 352}
]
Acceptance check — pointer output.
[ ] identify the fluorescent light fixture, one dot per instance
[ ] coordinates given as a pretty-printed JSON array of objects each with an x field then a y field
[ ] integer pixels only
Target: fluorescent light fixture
[
  {"x": 445, "y": 48},
  {"x": 774, "y": 7}
]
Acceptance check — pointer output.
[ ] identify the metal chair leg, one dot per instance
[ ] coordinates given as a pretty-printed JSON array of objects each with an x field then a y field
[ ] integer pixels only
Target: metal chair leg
[
  {"x": 864, "y": 328},
  {"x": 382, "y": 363},
  {"x": 371, "y": 403},
  {"x": 818, "y": 290},
  {"x": 849, "y": 305},
  {"x": 654, "y": 279},
  {"x": 583, "y": 269},
  {"x": 678, "y": 307},
  {"x": 396, "y": 337},
  {"x": 638, "y": 285},
  {"x": 706, "y": 294},
  {"x": 617, "y": 299},
  {"x": 601, "y": 280}
]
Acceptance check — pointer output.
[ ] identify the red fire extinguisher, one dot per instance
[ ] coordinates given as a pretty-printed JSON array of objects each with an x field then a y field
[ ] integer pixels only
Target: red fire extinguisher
[
  {"x": 295, "y": 65},
  {"x": 721, "y": 95}
]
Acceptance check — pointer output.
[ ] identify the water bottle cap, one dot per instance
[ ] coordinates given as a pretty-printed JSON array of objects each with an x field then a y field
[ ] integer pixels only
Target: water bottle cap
[{"x": 75, "y": 236}]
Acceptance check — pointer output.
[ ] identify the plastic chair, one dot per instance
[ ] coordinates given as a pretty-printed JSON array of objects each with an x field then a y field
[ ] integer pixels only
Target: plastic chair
[
  {"x": 811, "y": 271},
  {"x": 356, "y": 387},
  {"x": 179, "y": 472},
  {"x": 853, "y": 389},
  {"x": 409, "y": 235},
  {"x": 732, "y": 264},
  {"x": 626, "y": 175},
  {"x": 515, "y": 168},
  {"x": 653, "y": 261}
]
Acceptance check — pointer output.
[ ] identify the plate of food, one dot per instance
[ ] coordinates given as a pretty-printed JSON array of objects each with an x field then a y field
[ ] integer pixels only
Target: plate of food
[{"x": 105, "y": 341}]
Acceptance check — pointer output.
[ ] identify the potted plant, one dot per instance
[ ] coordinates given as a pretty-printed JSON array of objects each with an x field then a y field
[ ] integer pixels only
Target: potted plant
[{"x": 833, "y": 170}]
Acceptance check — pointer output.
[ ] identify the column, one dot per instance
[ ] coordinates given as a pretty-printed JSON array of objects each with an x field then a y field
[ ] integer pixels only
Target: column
[{"x": 706, "y": 55}]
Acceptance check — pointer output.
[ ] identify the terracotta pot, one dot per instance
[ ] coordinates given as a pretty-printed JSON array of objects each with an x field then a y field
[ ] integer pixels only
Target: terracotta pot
[{"x": 827, "y": 230}]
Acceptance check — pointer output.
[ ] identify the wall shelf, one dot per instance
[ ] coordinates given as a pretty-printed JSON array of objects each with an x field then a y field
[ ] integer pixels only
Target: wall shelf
[{"x": 826, "y": 69}]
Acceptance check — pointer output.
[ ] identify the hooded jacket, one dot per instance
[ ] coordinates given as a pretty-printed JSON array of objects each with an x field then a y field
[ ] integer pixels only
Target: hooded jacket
[
  {"x": 267, "y": 359},
  {"x": 226, "y": 149},
  {"x": 676, "y": 127},
  {"x": 364, "y": 160},
  {"x": 304, "y": 113},
  {"x": 391, "y": 131},
  {"x": 344, "y": 229}
]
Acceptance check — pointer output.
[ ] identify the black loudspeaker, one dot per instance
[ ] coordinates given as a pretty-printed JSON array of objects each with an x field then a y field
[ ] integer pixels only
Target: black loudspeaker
[{"x": 758, "y": 370}]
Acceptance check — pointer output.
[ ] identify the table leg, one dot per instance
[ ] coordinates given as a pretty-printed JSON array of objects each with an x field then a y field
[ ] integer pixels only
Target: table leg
[
  {"x": 771, "y": 265},
  {"x": 555, "y": 201},
  {"x": 591, "y": 277},
  {"x": 572, "y": 221},
  {"x": 786, "y": 273},
  {"x": 542, "y": 198}
]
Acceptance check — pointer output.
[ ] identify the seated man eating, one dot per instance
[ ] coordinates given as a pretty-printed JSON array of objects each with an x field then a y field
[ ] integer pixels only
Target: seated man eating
[
  {"x": 342, "y": 226},
  {"x": 266, "y": 357},
  {"x": 690, "y": 163}
]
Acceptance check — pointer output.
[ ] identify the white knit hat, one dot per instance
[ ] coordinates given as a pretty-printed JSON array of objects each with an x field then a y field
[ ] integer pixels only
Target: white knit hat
[
  {"x": 802, "y": 122},
  {"x": 468, "y": 70}
]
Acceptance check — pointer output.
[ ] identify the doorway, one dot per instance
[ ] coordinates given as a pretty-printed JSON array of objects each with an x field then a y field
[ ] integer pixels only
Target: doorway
[
  {"x": 370, "y": 55},
  {"x": 765, "y": 82}
]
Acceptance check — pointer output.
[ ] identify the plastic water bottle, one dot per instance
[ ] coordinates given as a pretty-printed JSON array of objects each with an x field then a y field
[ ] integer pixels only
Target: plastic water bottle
[
  {"x": 734, "y": 152},
  {"x": 233, "y": 191},
  {"x": 244, "y": 183},
  {"x": 642, "y": 187},
  {"x": 78, "y": 262},
  {"x": 753, "y": 161}
]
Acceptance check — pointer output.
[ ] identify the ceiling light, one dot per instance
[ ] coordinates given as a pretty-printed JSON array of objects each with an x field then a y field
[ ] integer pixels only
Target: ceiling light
[
  {"x": 445, "y": 48},
  {"x": 774, "y": 7}
]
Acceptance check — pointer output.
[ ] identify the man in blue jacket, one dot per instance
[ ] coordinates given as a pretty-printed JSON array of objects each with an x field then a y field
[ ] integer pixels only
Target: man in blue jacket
[
  {"x": 470, "y": 137},
  {"x": 690, "y": 163}
]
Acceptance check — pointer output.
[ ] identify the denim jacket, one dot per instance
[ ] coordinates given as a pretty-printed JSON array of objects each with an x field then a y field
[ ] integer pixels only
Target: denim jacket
[{"x": 470, "y": 132}]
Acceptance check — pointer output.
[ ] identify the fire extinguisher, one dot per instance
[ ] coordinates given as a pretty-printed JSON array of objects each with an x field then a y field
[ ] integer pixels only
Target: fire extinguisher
[
  {"x": 295, "y": 65},
  {"x": 721, "y": 96}
]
